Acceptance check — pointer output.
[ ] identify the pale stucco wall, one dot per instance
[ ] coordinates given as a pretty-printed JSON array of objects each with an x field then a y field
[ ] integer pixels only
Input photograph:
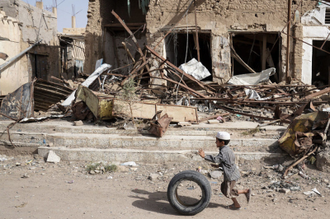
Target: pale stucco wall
[
  {"x": 28, "y": 25},
  {"x": 16, "y": 74},
  {"x": 314, "y": 29}
]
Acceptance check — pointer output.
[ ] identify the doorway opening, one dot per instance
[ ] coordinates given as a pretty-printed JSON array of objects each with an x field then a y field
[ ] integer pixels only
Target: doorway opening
[
  {"x": 320, "y": 64},
  {"x": 181, "y": 48},
  {"x": 259, "y": 51},
  {"x": 39, "y": 65}
]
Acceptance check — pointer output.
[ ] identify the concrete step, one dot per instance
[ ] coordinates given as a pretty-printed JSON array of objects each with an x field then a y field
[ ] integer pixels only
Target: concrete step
[
  {"x": 142, "y": 156},
  {"x": 102, "y": 141},
  {"x": 91, "y": 142},
  {"x": 202, "y": 129}
]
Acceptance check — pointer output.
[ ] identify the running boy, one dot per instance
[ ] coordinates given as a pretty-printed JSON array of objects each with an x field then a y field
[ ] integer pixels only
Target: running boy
[{"x": 226, "y": 159}]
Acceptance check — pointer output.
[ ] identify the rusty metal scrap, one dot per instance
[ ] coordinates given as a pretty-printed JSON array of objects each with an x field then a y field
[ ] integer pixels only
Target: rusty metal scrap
[
  {"x": 299, "y": 137},
  {"x": 47, "y": 93},
  {"x": 158, "y": 126},
  {"x": 19, "y": 104},
  {"x": 36, "y": 95}
]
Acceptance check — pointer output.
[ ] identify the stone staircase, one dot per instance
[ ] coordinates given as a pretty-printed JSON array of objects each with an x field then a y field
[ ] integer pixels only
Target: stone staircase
[{"x": 99, "y": 143}]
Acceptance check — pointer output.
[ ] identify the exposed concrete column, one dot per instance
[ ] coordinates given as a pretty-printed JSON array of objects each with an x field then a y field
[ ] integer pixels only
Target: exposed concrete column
[
  {"x": 221, "y": 59},
  {"x": 55, "y": 11},
  {"x": 298, "y": 52},
  {"x": 73, "y": 21},
  {"x": 40, "y": 5}
]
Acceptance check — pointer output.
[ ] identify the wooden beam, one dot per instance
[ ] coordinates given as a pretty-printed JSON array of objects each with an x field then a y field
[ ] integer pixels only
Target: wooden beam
[
  {"x": 196, "y": 29},
  {"x": 288, "y": 42},
  {"x": 133, "y": 73},
  {"x": 311, "y": 96},
  {"x": 193, "y": 92}
]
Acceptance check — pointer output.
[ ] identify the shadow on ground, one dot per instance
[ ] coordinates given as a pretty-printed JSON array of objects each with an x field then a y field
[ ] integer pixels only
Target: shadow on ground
[{"x": 157, "y": 202}]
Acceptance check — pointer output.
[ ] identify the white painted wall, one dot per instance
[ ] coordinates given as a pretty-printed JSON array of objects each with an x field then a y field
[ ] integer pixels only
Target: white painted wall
[
  {"x": 314, "y": 29},
  {"x": 13, "y": 76}
]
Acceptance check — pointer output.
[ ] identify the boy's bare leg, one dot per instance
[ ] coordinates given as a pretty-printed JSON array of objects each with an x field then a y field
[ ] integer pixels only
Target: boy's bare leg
[
  {"x": 236, "y": 204},
  {"x": 244, "y": 191}
]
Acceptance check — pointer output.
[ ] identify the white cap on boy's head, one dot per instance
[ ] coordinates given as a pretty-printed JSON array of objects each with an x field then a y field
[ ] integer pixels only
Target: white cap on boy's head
[{"x": 223, "y": 135}]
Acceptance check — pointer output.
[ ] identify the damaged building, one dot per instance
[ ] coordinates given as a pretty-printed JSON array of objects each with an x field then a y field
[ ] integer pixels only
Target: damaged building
[
  {"x": 228, "y": 37},
  {"x": 28, "y": 37},
  {"x": 72, "y": 42}
]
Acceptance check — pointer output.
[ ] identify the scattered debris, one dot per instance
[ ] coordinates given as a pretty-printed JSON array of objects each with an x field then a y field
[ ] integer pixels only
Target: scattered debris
[
  {"x": 78, "y": 123},
  {"x": 100, "y": 168},
  {"x": 130, "y": 163},
  {"x": 52, "y": 157},
  {"x": 25, "y": 176},
  {"x": 158, "y": 126},
  {"x": 153, "y": 176},
  {"x": 313, "y": 192}
]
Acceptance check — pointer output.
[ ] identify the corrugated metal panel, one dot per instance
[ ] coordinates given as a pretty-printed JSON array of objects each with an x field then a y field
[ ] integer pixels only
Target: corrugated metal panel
[{"x": 47, "y": 93}]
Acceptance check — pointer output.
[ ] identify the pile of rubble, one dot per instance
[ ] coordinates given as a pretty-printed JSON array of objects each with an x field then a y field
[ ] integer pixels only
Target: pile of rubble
[{"x": 156, "y": 92}]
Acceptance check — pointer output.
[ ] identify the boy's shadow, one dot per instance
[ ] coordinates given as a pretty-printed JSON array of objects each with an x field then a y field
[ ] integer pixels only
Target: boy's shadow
[{"x": 158, "y": 202}]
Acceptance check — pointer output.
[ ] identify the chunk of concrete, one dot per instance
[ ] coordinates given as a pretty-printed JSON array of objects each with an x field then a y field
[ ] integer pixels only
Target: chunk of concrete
[
  {"x": 78, "y": 123},
  {"x": 213, "y": 121},
  {"x": 52, "y": 157},
  {"x": 284, "y": 190},
  {"x": 153, "y": 176}
]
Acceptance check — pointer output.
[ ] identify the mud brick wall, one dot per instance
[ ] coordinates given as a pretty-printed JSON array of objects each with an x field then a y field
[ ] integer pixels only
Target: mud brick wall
[{"x": 221, "y": 17}]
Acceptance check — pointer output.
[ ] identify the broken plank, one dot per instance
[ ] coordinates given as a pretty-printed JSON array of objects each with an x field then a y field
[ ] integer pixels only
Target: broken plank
[
  {"x": 133, "y": 73},
  {"x": 194, "y": 93},
  {"x": 321, "y": 92}
]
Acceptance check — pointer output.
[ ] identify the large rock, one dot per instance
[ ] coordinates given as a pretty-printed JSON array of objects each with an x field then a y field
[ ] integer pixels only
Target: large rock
[{"x": 323, "y": 160}]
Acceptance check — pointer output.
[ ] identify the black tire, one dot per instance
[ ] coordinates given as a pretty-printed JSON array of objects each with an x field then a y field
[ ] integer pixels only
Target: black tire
[{"x": 191, "y": 176}]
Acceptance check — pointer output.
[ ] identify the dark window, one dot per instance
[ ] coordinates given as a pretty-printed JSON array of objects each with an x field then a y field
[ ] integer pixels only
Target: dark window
[{"x": 327, "y": 16}]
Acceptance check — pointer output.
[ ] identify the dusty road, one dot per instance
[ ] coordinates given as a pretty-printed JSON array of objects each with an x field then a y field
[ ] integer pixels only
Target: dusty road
[{"x": 31, "y": 188}]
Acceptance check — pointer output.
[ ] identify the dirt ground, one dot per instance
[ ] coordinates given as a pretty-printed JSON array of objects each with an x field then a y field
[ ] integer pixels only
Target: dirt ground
[{"x": 32, "y": 188}]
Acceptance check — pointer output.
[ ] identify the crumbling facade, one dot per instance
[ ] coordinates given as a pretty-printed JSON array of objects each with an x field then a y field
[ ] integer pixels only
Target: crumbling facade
[
  {"x": 22, "y": 27},
  {"x": 72, "y": 42},
  {"x": 232, "y": 35}
]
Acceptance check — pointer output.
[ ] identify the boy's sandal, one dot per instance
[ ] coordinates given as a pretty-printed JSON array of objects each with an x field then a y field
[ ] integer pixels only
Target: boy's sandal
[
  {"x": 248, "y": 196},
  {"x": 232, "y": 207}
]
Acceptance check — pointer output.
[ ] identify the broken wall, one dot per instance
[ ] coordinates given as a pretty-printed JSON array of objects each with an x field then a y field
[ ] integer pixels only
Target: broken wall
[
  {"x": 34, "y": 24},
  {"x": 221, "y": 18},
  {"x": 104, "y": 36}
]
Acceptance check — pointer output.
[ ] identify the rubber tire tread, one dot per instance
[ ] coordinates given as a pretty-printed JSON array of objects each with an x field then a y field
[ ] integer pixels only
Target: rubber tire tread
[{"x": 197, "y": 178}]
